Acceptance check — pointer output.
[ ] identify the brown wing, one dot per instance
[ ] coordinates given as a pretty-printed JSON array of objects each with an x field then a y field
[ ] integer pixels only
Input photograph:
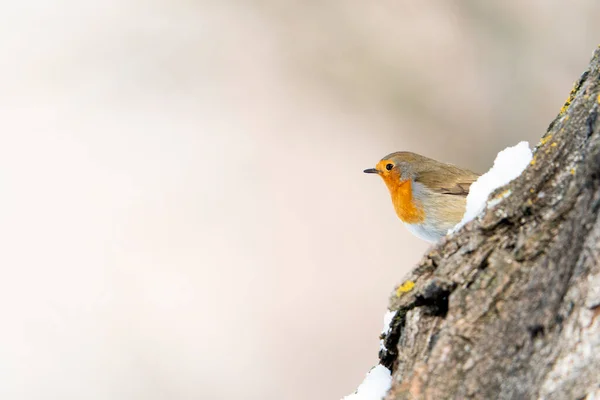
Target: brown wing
[
  {"x": 459, "y": 189},
  {"x": 448, "y": 179}
]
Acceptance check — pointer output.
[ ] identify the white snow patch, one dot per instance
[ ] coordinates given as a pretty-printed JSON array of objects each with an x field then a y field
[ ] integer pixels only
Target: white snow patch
[
  {"x": 508, "y": 165},
  {"x": 387, "y": 320},
  {"x": 375, "y": 386},
  {"x": 497, "y": 200}
]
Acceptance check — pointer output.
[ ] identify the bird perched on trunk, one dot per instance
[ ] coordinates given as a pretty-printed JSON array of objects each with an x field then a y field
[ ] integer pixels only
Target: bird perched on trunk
[{"x": 429, "y": 196}]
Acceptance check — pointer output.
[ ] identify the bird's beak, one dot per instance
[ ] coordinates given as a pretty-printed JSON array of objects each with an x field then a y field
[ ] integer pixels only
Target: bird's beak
[{"x": 371, "y": 171}]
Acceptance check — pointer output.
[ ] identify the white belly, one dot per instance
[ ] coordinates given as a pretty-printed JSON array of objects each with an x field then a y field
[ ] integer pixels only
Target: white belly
[{"x": 425, "y": 232}]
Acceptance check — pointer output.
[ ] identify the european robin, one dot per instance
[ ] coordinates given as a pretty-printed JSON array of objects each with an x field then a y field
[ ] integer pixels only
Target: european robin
[{"x": 429, "y": 196}]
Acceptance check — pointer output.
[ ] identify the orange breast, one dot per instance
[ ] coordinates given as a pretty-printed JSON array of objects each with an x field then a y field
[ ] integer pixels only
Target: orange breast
[{"x": 406, "y": 208}]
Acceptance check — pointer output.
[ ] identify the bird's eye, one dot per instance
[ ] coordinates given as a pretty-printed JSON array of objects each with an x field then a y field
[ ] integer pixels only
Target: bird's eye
[{"x": 389, "y": 167}]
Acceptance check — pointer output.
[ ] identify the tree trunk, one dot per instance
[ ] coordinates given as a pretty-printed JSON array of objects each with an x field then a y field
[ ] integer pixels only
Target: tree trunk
[{"x": 509, "y": 307}]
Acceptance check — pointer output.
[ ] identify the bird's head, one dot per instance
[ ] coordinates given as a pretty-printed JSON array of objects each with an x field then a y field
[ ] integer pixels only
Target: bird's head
[{"x": 397, "y": 169}]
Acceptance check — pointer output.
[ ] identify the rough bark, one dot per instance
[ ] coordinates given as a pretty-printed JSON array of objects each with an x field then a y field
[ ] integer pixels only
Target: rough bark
[{"x": 509, "y": 307}]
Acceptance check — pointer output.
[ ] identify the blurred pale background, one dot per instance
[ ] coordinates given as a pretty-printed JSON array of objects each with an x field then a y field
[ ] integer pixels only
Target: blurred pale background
[{"x": 183, "y": 213}]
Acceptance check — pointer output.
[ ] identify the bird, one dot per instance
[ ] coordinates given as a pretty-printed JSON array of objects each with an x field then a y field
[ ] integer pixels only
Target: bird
[{"x": 429, "y": 196}]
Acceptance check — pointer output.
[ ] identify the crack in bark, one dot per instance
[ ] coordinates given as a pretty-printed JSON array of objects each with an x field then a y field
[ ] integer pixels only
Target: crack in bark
[
  {"x": 591, "y": 121},
  {"x": 433, "y": 299}
]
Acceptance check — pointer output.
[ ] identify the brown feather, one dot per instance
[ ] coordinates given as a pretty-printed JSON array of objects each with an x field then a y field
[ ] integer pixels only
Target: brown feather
[{"x": 452, "y": 184}]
